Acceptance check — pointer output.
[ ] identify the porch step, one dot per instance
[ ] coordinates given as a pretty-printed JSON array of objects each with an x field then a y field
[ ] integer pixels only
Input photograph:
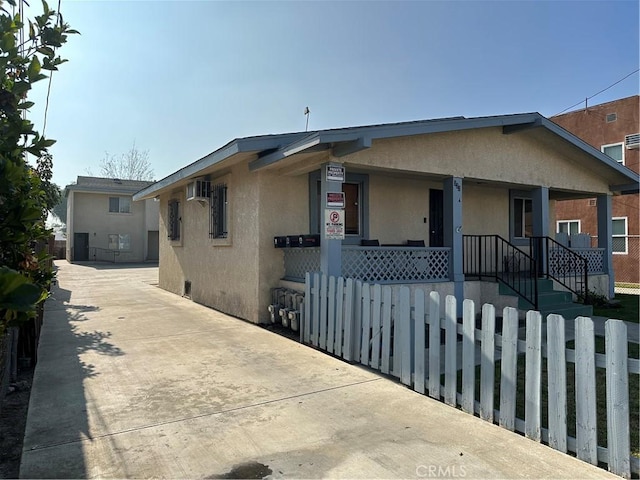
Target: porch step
[{"x": 551, "y": 301}]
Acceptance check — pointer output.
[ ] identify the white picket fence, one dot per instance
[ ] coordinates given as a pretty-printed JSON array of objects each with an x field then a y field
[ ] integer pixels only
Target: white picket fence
[{"x": 391, "y": 333}]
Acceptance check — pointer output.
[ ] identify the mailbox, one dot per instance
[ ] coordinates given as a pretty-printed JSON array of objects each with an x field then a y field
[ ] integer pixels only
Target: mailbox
[
  {"x": 293, "y": 240},
  {"x": 280, "y": 242},
  {"x": 309, "y": 240}
]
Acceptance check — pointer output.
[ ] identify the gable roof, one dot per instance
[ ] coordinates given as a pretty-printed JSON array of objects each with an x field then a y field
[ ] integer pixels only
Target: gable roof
[
  {"x": 107, "y": 185},
  {"x": 270, "y": 149}
]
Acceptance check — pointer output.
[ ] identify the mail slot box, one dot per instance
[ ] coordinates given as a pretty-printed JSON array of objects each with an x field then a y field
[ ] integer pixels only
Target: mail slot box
[
  {"x": 293, "y": 240},
  {"x": 309, "y": 240},
  {"x": 280, "y": 242}
]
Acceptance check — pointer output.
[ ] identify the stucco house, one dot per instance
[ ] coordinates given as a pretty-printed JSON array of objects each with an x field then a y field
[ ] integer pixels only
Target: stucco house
[
  {"x": 104, "y": 224},
  {"x": 460, "y": 205}
]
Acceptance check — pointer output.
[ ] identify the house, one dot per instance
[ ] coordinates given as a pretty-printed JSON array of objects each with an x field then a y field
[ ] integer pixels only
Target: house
[
  {"x": 476, "y": 196},
  {"x": 104, "y": 224},
  {"x": 612, "y": 128}
]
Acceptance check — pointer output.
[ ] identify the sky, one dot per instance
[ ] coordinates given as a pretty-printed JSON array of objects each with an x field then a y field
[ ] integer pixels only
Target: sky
[{"x": 182, "y": 78}]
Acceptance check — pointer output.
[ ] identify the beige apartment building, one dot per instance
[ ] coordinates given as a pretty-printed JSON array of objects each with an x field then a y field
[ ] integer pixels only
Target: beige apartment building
[{"x": 105, "y": 224}]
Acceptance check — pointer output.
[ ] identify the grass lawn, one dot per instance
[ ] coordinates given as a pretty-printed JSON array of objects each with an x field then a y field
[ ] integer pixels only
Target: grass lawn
[
  {"x": 628, "y": 309},
  {"x": 601, "y": 402}
]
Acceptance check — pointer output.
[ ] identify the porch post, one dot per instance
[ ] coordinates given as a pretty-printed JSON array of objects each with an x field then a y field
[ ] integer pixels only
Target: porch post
[
  {"x": 540, "y": 207},
  {"x": 605, "y": 239},
  {"x": 452, "y": 223},
  {"x": 330, "y": 248}
]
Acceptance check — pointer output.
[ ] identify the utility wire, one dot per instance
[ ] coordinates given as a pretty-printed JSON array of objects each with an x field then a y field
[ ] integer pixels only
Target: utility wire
[
  {"x": 46, "y": 105},
  {"x": 596, "y": 94}
]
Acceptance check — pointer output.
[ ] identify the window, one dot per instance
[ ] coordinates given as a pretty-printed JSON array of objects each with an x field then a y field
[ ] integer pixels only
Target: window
[
  {"x": 612, "y": 117},
  {"x": 615, "y": 151},
  {"x": 119, "y": 204},
  {"x": 173, "y": 226},
  {"x": 619, "y": 233},
  {"x": 522, "y": 217},
  {"x": 119, "y": 241},
  {"x": 219, "y": 215},
  {"x": 570, "y": 227}
]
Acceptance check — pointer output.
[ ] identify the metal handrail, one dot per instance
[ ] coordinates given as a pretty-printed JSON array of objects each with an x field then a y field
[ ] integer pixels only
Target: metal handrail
[
  {"x": 568, "y": 268},
  {"x": 110, "y": 255},
  {"x": 494, "y": 257}
]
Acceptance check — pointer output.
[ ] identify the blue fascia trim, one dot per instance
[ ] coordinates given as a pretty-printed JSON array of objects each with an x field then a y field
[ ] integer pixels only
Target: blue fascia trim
[
  {"x": 238, "y": 145},
  {"x": 628, "y": 189}
]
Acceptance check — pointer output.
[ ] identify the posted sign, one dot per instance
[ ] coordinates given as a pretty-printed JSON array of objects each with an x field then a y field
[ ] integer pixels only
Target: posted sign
[
  {"x": 334, "y": 223},
  {"x": 335, "y": 200},
  {"x": 335, "y": 173}
]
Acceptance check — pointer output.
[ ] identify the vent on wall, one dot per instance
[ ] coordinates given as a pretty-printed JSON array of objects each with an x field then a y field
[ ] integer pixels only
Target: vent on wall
[
  {"x": 198, "y": 189},
  {"x": 632, "y": 141},
  {"x": 592, "y": 202}
]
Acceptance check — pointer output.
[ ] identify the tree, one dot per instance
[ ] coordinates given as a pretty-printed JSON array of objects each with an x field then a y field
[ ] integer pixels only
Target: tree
[
  {"x": 133, "y": 165},
  {"x": 60, "y": 208},
  {"x": 26, "y": 192}
]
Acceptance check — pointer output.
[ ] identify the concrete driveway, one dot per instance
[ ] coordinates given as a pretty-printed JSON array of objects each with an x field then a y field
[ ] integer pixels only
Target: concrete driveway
[{"x": 135, "y": 382}]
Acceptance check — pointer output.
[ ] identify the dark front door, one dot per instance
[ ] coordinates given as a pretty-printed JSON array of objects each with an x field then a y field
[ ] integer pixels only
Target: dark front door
[
  {"x": 80, "y": 247},
  {"x": 436, "y": 215}
]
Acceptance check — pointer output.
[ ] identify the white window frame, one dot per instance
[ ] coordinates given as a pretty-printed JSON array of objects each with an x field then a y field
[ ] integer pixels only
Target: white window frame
[
  {"x": 568, "y": 222},
  {"x": 521, "y": 235},
  {"x": 625, "y": 236},
  {"x": 120, "y": 204},
  {"x": 621, "y": 144}
]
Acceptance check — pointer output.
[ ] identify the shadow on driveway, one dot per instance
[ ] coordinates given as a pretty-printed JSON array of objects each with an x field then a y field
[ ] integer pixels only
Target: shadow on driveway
[{"x": 58, "y": 406}]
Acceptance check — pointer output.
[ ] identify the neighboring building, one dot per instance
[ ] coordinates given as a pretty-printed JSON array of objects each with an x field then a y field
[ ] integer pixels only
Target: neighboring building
[
  {"x": 612, "y": 128},
  {"x": 472, "y": 191},
  {"x": 104, "y": 224}
]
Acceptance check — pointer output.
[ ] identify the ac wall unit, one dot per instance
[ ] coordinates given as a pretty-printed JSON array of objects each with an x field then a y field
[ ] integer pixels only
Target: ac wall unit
[
  {"x": 632, "y": 141},
  {"x": 199, "y": 189}
]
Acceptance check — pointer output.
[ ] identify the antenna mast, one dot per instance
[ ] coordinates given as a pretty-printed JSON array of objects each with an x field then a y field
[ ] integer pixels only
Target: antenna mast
[{"x": 306, "y": 113}]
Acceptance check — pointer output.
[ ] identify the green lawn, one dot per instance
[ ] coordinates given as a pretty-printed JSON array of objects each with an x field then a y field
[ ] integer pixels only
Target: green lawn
[{"x": 627, "y": 309}]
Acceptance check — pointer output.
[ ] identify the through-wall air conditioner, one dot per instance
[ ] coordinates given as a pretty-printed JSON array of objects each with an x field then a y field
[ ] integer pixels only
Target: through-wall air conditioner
[
  {"x": 632, "y": 141},
  {"x": 198, "y": 189}
]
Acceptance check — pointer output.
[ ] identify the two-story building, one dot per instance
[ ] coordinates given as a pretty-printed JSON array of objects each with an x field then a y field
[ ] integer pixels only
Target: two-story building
[
  {"x": 612, "y": 128},
  {"x": 104, "y": 224}
]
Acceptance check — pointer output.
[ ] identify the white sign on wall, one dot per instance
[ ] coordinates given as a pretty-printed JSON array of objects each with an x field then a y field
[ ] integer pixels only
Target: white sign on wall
[
  {"x": 335, "y": 173},
  {"x": 334, "y": 223}
]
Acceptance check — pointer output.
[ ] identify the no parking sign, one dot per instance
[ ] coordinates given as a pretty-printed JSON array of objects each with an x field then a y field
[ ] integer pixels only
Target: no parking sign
[{"x": 334, "y": 223}]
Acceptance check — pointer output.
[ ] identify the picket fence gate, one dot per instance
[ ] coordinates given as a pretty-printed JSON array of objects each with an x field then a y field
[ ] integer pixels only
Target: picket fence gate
[{"x": 370, "y": 325}]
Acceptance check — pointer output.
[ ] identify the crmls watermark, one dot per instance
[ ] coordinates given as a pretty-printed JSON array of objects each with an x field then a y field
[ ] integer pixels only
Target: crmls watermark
[{"x": 438, "y": 471}]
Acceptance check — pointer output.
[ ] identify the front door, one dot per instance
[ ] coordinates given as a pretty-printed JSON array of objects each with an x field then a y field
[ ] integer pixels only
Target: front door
[
  {"x": 80, "y": 247},
  {"x": 436, "y": 216}
]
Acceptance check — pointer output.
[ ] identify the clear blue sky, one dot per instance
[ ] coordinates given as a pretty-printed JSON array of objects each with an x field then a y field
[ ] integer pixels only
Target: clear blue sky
[{"x": 182, "y": 79}]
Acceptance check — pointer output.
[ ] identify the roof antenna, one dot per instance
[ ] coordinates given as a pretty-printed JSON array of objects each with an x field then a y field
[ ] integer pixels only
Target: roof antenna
[{"x": 307, "y": 112}]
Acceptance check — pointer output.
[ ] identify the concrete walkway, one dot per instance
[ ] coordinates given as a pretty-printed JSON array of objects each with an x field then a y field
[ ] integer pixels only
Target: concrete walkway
[{"x": 135, "y": 382}]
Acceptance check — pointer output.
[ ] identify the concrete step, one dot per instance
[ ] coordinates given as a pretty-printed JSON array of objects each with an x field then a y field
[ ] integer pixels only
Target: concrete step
[
  {"x": 549, "y": 300},
  {"x": 546, "y": 299}
]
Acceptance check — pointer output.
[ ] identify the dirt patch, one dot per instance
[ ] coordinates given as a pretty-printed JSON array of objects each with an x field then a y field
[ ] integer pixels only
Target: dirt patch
[{"x": 13, "y": 419}]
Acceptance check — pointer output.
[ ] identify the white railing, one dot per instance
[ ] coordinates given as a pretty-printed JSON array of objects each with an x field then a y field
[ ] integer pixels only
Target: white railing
[
  {"x": 402, "y": 337},
  {"x": 375, "y": 264}
]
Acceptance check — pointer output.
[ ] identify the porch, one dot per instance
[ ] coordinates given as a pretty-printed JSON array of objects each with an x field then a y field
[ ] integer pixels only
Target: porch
[{"x": 544, "y": 275}]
